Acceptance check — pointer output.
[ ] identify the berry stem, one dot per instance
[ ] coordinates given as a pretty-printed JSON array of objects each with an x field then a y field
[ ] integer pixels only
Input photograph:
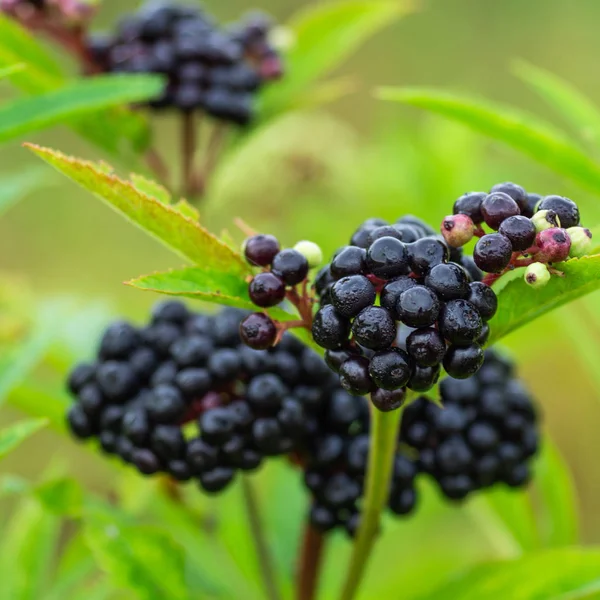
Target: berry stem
[
  {"x": 188, "y": 152},
  {"x": 309, "y": 569},
  {"x": 384, "y": 440},
  {"x": 259, "y": 538},
  {"x": 213, "y": 151},
  {"x": 157, "y": 165}
]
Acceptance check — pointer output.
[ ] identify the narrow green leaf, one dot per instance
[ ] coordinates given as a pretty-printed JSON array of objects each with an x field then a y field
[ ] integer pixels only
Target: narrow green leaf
[
  {"x": 555, "y": 485},
  {"x": 72, "y": 101},
  {"x": 549, "y": 575},
  {"x": 520, "y": 130},
  {"x": 144, "y": 559},
  {"x": 63, "y": 497},
  {"x": 14, "y": 187},
  {"x": 324, "y": 35},
  {"x": 181, "y": 234},
  {"x": 14, "y": 435},
  {"x": 576, "y": 109},
  {"x": 519, "y": 304}
]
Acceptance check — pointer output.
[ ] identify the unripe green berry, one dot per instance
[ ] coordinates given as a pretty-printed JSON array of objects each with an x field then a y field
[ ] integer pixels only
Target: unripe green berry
[
  {"x": 310, "y": 251},
  {"x": 537, "y": 275},
  {"x": 581, "y": 241},
  {"x": 545, "y": 219}
]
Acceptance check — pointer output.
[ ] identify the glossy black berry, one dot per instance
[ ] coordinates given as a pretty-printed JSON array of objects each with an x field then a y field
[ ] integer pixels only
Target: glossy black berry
[
  {"x": 461, "y": 362},
  {"x": 493, "y": 253},
  {"x": 484, "y": 299},
  {"x": 418, "y": 306},
  {"x": 424, "y": 378},
  {"x": 460, "y": 323},
  {"x": 470, "y": 205},
  {"x": 201, "y": 456},
  {"x": 290, "y": 266},
  {"x": 216, "y": 479},
  {"x": 448, "y": 281},
  {"x": 145, "y": 461},
  {"x": 335, "y": 358},
  {"x": 387, "y": 258},
  {"x": 192, "y": 350},
  {"x": 354, "y": 376},
  {"x": 352, "y": 294},
  {"x": 474, "y": 273},
  {"x": 170, "y": 311},
  {"x": 566, "y": 209},
  {"x": 374, "y": 328},
  {"x": 352, "y": 260},
  {"x": 515, "y": 191},
  {"x": 80, "y": 423},
  {"x": 388, "y": 400},
  {"x": 426, "y": 347},
  {"x": 165, "y": 404},
  {"x": 390, "y": 369},
  {"x": 168, "y": 442},
  {"x": 520, "y": 231},
  {"x": 322, "y": 518},
  {"x": 266, "y": 391},
  {"x": 119, "y": 341},
  {"x": 532, "y": 201},
  {"x": 116, "y": 380},
  {"x": 261, "y": 249},
  {"x": 266, "y": 289},
  {"x": 258, "y": 331},
  {"x": 426, "y": 253},
  {"x": 330, "y": 330},
  {"x": 385, "y": 231},
  {"x": 391, "y": 291},
  {"x": 497, "y": 207}
]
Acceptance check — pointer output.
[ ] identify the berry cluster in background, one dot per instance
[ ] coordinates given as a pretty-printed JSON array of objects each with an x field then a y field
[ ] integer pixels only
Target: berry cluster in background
[
  {"x": 208, "y": 67},
  {"x": 528, "y": 230},
  {"x": 184, "y": 397}
]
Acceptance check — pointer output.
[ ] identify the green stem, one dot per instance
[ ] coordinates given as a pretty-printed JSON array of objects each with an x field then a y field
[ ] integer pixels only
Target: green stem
[
  {"x": 384, "y": 441},
  {"x": 260, "y": 542}
]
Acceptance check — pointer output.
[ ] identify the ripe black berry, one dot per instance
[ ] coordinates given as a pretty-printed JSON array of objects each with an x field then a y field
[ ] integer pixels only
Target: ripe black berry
[
  {"x": 119, "y": 340},
  {"x": 165, "y": 404},
  {"x": 290, "y": 266},
  {"x": 352, "y": 260},
  {"x": 390, "y": 369},
  {"x": 374, "y": 328},
  {"x": 497, "y": 207},
  {"x": 258, "y": 331},
  {"x": 448, "y": 281},
  {"x": 391, "y": 291},
  {"x": 426, "y": 253},
  {"x": 266, "y": 289},
  {"x": 266, "y": 391},
  {"x": 426, "y": 347},
  {"x": 461, "y": 362},
  {"x": 261, "y": 249},
  {"x": 484, "y": 299},
  {"x": 460, "y": 322},
  {"x": 354, "y": 376},
  {"x": 387, "y": 258},
  {"x": 330, "y": 330},
  {"x": 516, "y": 192},
  {"x": 566, "y": 209},
  {"x": 424, "y": 378},
  {"x": 470, "y": 205},
  {"x": 217, "y": 479},
  {"x": 352, "y": 294},
  {"x": 520, "y": 231},
  {"x": 493, "y": 253},
  {"x": 116, "y": 380},
  {"x": 418, "y": 307}
]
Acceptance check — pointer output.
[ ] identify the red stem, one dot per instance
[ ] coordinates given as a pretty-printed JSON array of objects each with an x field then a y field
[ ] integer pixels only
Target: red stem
[{"x": 309, "y": 569}]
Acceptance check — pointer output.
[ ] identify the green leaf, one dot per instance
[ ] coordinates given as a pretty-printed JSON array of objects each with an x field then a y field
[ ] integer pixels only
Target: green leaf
[
  {"x": 324, "y": 35},
  {"x": 577, "y": 109},
  {"x": 16, "y": 186},
  {"x": 63, "y": 497},
  {"x": 7, "y": 71},
  {"x": 151, "y": 188},
  {"x": 556, "y": 488},
  {"x": 72, "y": 101},
  {"x": 520, "y": 130},
  {"x": 181, "y": 234},
  {"x": 36, "y": 401},
  {"x": 519, "y": 304},
  {"x": 141, "y": 558},
  {"x": 550, "y": 575},
  {"x": 12, "y": 436}
]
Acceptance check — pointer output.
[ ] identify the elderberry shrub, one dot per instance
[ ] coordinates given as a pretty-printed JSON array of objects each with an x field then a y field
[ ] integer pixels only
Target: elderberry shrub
[
  {"x": 208, "y": 67},
  {"x": 183, "y": 396},
  {"x": 485, "y": 433},
  {"x": 393, "y": 276}
]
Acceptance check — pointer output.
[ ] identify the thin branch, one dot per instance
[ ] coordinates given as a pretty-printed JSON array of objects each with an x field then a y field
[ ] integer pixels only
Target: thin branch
[
  {"x": 157, "y": 165},
  {"x": 259, "y": 539},
  {"x": 311, "y": 561},
  {"x": 213, "y": 152},
  {"x": 188, "y": 151}
]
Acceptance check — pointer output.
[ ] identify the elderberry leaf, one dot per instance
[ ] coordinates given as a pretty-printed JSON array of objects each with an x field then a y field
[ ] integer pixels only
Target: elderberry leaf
[
  {"x": 520, "y": 130},
  {"x": 11, "y": 437},
  {"x": 323, "y": 36},
  {"x": 181, "y": 234},
  {"x": 548, "y": 575},
  {"x": 71, "y": 101},
  {"x": 62, "y": 496},
  {"x": 573, "y": 105},
  {"x": 518, "y": 304}
]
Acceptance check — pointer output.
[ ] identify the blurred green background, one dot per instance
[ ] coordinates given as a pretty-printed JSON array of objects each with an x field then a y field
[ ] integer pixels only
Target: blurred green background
[{"x": 318, "y": 174}]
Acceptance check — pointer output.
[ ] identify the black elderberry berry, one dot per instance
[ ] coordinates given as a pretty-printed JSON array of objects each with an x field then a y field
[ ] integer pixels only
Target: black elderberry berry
[
  {"x": 448, "y": 281},
  {"x": 520, "y": 231},
  {"x": 497, "y": 207},
  {"x": 80, "y": 423},
  {"x": 217, "y": 479},
  {"x": 388, "y": 400},
  {"x": 470, "y": 205},
  {"x": 354, "y": 376},
  {"x": 322, "y": 518},
  {"x": 290, "y": 266},
  {"x": 201, "y": 456},
  {"x": 168, "y": 442},
  {"x": 192, "y": 350},
  {"x": 532, "y": 201},
  {"x": 390, "y": 369},
  {"x": 145, "y": 461},
  {"x": 426, "y": 347},
  {"x": 460, "y": 323},
  {"x": 461, "y": 362},
  {"x": 493, "y": 253},
  {"x": 91, "y": 400},
  {"x": 165, "y": 404},
  {"x": 424, "y": 378},
  {"x": 352, "y": 294},
  {"x": 391, "y": 291},
  {"x": 374, "y": 328},
  {"x": 258, "y": 331},
  {"x": 80, "y": 376},
  {"x": 350, "y": 261},
  {"x": 224, "y": 364},
  {"x": 161, "y": 336},
  {"x": 261, "y": 249},
  {"x": 484, "y": 299},
  {"x": 266, "y": 289},
  {"x": 418, "y": 307},
  {"x": 387, "y": 258},
  {"x": 566, "y": 209},
  {"x": 426, "y": 253},
  {"x": 385, "y": 231},
  {"x": 335, "y": 358},
  {"x": 119, "y": 340},
  {"x": 402, "y": 500},
  {"x": 266, "y": 391},
  {"x": 116, "y": 380},
  {"x": 515, "y": 191},
  {"x": 136, "y": 425},
  {"x": 171, "y": 312},
  {"x": 473, "y": 271},
  {"x": 330, "y": 330}
]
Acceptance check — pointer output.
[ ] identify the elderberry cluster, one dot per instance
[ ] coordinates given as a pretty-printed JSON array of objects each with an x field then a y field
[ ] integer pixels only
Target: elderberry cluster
[
  {"x": 28, "y": 10},
  {"x": 184, "y": 396},
  {"x": 401, "y": 274},
  {"x": 486, "y": 432},
  {"x": 528, "y": 230},
  {"x": 208, "y": 67}
]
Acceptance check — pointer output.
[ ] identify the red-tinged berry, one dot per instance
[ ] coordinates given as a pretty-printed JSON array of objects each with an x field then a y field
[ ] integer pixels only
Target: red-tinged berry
[
  {"x": 261, "y": 249},
  {"x": 458, "y": 230},
  {"x": 290, "y": 266},
  {"x": 258, "y": 331},
  {"x": 516, "y": 192},
  {"x": 388, "y": 400},
  {"x": 566, "y": 209},
  {"x": 330, "y": 330},
  {"x": 470, "y": 205},
  {"x": 266, "y": 290},
  {"x": 554, "y": 245},
  {"x": 497, "y": 207},
  {"x": 493, "y": 253},
  {"x": 520, "y": 231}
]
